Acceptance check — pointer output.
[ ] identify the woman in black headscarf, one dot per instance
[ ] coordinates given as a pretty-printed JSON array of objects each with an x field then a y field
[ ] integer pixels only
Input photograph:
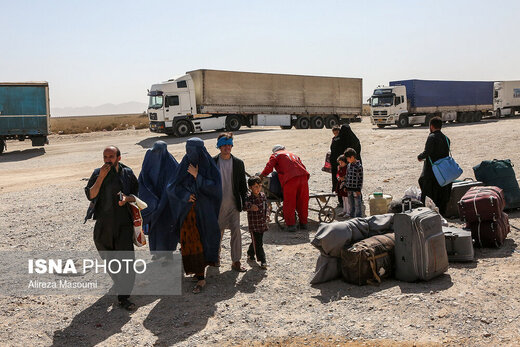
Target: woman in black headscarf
[
  {"x": 350, "y": 140},
  {"x": 343, "y": 138}
]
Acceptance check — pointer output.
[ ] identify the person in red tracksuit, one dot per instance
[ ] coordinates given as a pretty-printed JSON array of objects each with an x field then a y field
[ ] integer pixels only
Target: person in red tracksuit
[{"x": 294, "y": 180}]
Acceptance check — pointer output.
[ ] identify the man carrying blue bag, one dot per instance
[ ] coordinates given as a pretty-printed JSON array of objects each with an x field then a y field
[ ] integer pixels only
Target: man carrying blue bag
[{"x": 437, "y": 147}]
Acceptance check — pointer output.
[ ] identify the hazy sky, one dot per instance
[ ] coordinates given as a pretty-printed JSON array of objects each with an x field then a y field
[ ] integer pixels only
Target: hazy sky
[{"x": 96, "y": 52}]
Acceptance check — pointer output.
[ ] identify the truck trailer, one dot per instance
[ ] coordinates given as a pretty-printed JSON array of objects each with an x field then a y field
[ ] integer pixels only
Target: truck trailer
[
  {"x": 409, "y": 102},
  {"x": 216, "y": 100},
  {"x": 507, "y": 98},
  {"x": 24, "y": 112}
]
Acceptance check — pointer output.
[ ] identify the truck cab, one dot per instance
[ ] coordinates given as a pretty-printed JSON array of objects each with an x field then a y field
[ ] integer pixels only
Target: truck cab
[
  {"x": 172, "y": 106},
  {"x": 387, "y": 104},
  {"x": 506, "y": 98}
]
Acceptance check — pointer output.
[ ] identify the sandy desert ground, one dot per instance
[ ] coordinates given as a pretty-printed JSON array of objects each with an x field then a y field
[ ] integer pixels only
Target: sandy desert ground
[
  {"x": 473, "y": 304},
  {"x": 87, "y": 124}
]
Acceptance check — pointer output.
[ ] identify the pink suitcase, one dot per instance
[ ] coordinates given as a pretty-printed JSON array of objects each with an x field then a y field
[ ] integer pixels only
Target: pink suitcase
[
  {"x": 482, "y": 204},
  {"x": 490, "y": 233}
]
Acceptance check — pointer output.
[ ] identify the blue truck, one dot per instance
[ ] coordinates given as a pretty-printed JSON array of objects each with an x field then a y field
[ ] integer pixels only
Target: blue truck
[
  {"x": 24, "y": 112},
  {"x": 409, "y": 102}
]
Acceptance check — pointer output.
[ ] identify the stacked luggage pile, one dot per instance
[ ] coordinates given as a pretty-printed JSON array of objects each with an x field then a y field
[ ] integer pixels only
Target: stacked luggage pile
[
  {"x": 412, "y": 243},
  {"x": 482, "y": 210}
]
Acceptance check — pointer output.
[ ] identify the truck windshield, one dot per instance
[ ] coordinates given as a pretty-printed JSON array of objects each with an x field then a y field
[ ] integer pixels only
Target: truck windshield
[
  {"x": 382, "y": 101},
  {"x": 155, "y": 101}
]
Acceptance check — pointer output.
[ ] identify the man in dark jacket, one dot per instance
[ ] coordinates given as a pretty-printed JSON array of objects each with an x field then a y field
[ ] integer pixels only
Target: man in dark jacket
[
  {"x": 234, "y": 191},
  {"x": 437, "y": 147},
  {"x": 110, "y": 188}
]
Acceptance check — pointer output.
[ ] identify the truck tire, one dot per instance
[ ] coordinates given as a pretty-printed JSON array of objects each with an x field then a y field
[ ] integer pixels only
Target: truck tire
[
  {"x": 303, "y": 123},
  {"x": 233, "y": 123},
  {"x": 498, "y": 113},
  {"x": 381, "y": 126},
  {"x": 462, "y": 117},
  {"x": 330, "y": 121},
  {"x": 182, "y": 128},
  {"x": 286, "y": 127},
  {"x": 427, "y": 119},
  {"x": 37, "y": 141},
  {"x": 403, "y": 121},
  {"x": 2, "y": 145},
  {"x": 317, "y": 122}
]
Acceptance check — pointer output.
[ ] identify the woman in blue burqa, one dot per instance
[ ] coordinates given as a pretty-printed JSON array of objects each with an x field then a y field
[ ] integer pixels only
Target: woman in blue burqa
[
  {"x": 158, "y": 170},
  {"x": 195, "y": 195}
]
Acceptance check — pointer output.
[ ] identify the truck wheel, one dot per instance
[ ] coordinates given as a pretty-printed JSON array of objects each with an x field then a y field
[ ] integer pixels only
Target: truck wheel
[
  {"x": 381, "y": 126},
  {"x": 233, "y": 123},
  {"x": 498, "y": 113},
  {"x": 38, "y": 141},
  {"x": 403, "y": 121},
  {"x": 462, "y": 117},
  {"x": 303, "y": 123},
  {"x": 427, "y": 119},
  {"x": 286, "y": 127},
  {"x": 182, "y": 128},
  {"x": 317, "y": 122},
  {"x": 2, "y": 146},
  {"x": 330, "y": 121}
]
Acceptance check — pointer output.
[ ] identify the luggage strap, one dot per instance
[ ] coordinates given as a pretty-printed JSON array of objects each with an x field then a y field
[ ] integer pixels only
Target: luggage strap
[{"x": 372, "y": 260}]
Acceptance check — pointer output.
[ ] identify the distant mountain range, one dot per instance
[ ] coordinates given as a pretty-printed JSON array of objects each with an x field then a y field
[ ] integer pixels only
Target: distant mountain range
[{"x": 106, "y": 109}]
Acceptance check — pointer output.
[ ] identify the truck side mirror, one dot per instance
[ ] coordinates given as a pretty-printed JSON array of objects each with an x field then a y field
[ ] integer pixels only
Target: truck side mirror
[{"x": 397, "y": 100}]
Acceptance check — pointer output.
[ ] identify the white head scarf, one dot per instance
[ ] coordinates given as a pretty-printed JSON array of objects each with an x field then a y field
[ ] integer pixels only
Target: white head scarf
[{"x": 277, "y": 148}]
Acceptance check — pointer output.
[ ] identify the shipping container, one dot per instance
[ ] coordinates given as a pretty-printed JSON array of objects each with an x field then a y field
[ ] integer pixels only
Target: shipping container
[
  {"x": 24, "y": 112},
  {"x": 214, "y": 99},
  {"x": 409, "y": 102}
]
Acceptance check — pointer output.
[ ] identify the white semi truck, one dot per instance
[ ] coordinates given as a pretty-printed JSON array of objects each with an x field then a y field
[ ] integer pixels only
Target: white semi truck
[
  {"x": 216, "y": 100},
  {"x": 507, "y": 98},
  {"x": 409, "y": 102}
]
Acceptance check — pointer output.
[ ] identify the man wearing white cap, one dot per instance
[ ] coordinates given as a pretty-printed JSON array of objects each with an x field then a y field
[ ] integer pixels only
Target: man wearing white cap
[{"x": 294, "y": 180}]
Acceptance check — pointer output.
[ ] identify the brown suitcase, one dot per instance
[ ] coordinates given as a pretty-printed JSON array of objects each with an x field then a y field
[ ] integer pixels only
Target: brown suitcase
[
  {"x": 368, "y": 261},
  {"x": 458, "y": 189},
  {"x": 490, "y": 233}
]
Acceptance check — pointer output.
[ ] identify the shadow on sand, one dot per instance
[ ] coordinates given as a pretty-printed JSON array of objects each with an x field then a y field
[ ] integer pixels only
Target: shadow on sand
[
  {"x": 337, "y": 289},
  {"x": 26, "y": 154},
  {"x": 173, "y": 319}
]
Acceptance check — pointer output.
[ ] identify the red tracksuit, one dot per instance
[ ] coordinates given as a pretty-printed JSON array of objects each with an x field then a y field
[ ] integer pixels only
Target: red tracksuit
[{"x": 294, "y": 180}]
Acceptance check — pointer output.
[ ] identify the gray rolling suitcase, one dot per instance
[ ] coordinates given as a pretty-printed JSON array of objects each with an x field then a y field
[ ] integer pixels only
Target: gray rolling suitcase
[
  {"x": 420, "y": 248},
  {"x": 458, "y": 189},
  {"x": 459, "y": 244}
]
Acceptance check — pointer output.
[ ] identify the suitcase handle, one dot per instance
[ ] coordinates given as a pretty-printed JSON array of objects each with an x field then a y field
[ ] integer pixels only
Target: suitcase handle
[{"x": 404, "y": 201}]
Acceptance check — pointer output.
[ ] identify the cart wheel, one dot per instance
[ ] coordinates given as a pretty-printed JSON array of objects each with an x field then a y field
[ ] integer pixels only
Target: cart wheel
[
  {"x": 327, "y": 214},
  {"x": 280, "y": 219}
]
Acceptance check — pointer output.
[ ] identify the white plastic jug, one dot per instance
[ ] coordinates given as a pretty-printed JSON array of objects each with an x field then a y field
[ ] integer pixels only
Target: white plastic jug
[{"x": 379, "y": 202}]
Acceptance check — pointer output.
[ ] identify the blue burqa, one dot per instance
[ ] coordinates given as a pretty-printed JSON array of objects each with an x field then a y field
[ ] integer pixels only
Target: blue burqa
[
  {"x": 158, "y": 170},
  {"x": 207, "y": 189}
]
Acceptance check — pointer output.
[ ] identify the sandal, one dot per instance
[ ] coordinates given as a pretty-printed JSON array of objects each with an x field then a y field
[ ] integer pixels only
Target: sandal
[
  {"x": 198, "y": 287},
  {"x": 127, "y": 305},
  {"x": 237, "y": 267}
]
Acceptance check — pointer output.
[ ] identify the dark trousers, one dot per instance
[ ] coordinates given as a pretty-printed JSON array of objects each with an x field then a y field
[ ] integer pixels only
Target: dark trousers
[
  {"x": 334, "y": 171},
  {"x": 257, "y": 247},
  {"x": 114, "y": 241},
  {"x": 440, "y": 195}
]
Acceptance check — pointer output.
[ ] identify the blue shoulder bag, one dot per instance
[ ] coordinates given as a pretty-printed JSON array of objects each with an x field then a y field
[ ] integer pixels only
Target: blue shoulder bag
[{"x": 446, "y": 170}]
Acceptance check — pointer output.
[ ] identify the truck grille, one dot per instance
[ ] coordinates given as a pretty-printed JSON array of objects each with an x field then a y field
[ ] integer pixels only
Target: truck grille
[{"x": 380, "y": 113}]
